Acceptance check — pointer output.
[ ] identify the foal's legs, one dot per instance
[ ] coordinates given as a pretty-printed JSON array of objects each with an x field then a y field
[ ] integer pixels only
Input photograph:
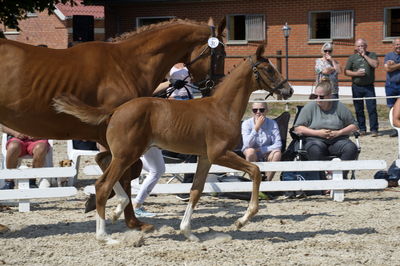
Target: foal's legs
[
  {"x": 203, "y": 166},
  {"x": 103, "y": 160},
  {"x": 104, "y": 185},
  {"x": 232, "y": 160}
]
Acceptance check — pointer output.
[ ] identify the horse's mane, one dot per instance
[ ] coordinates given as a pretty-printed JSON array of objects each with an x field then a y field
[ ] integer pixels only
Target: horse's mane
[{"x": 171, "y": 22}]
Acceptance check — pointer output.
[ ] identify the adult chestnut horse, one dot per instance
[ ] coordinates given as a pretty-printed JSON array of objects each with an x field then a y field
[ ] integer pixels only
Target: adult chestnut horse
[
  {"x": 207, "y": 127},
  {"x": 100, "y": 74}
]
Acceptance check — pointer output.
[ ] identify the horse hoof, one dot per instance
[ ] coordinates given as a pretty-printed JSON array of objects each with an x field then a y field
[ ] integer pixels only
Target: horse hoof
[
  {"x": 107, "y": 240},
  {"x": 140, "y": 226},
  {"x": 193, "y": 238},
  {"x": 90, "y": 204},
  {"x": 145, "y": 228},
  {"x": 239, "y": 223}
]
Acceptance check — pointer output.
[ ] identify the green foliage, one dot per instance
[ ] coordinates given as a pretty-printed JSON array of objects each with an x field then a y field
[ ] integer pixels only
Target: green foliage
[{"x": 11, "y": 11}]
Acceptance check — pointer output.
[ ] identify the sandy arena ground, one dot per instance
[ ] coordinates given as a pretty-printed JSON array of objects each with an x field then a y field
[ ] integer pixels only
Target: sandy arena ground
[{"x": 364, "y": 229}]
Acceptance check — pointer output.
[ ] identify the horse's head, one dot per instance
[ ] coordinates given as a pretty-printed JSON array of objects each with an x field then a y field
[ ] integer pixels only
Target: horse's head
[
  {"x": 207, "y": 61},
  {"x": 267, "y": 77}
]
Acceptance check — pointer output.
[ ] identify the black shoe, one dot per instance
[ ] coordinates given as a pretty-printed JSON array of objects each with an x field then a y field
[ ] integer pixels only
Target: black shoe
[
  {"x": 8, "y": 185},
  {"x": 32, "y": 183},
  {"x": 183, "y": 197},
  {"x": 289, "y": 195},
  {"x": 394, "y": 134}
]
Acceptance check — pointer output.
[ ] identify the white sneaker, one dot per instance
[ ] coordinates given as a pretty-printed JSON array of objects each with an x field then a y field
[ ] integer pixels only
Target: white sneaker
[
  {"x": 141, "y": 212},
  {"x": 44, "y": 183}
]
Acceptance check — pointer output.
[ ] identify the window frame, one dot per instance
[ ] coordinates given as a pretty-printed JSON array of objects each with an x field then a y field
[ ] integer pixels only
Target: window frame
[
  {"x": 385, "y": 24},
  {"x": 246, "y": 40},
  {"x": 152, "y": 17},
  {"x": 330, "y": 39}
]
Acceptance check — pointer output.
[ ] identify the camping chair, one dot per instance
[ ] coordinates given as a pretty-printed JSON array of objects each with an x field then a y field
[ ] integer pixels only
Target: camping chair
[
  {"x": 48, "y": 160},
  {"x": 296, "y": 149}
]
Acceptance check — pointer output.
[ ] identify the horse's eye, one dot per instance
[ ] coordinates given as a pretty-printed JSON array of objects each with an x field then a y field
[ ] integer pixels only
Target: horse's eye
[{"x": 269, "y": 69}]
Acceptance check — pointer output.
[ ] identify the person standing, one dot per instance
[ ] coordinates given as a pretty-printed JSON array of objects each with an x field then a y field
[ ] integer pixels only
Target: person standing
[
  {"x": 392, "y": 67},
  {"x": 328, "y": 68},
  {"x": 361, "y": 68},
  {"x": 261, "y": 138}
]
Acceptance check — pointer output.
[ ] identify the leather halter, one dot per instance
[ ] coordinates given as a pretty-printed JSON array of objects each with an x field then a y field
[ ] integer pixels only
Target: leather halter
[
  {"x": 259, "y": 79},
  {"x": 205, "y": 86}
]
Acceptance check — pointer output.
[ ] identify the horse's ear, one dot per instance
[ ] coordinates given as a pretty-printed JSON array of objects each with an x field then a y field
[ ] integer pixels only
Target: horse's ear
[
  {"x": 221, "y": 27},
  {"x": 260, "y": 50},
  {"x": 210, "y": 21}
]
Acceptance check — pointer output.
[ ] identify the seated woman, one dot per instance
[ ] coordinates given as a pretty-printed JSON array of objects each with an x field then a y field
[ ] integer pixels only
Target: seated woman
[
  {"x": 327, "y": 126},
  {"x": 261, "y": 138}
]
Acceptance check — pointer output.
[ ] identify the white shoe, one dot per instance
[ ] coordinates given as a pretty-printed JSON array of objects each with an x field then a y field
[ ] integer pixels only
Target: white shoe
[{"x": 44, "y": 183}]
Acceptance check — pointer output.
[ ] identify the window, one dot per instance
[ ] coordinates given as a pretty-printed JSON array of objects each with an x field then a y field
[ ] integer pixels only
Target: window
[
  {"x": 31, "y": 14},
  {"x": 246, "y": 27},
  {"x": 325, "y": 25},
  {"x": 392, "y": 22},
  {"x": 143, "y": 21}
]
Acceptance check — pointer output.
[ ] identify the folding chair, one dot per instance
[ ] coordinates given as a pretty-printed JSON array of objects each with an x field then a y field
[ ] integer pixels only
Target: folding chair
[
  {"x": 48, "y": 160},
  {"x": 75, "y": 156}
]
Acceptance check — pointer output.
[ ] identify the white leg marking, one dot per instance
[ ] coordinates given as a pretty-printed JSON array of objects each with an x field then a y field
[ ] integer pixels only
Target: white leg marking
[
  {"x": 185, "y": 224},
  {"x": 101, "y": 233},
  {"x": 123, "y": 200}
]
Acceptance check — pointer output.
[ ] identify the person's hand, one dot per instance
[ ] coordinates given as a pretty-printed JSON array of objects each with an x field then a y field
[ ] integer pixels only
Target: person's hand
[
  {"x": 390, "y": 62},
  {"x": 259, "y": 121},
  {"x": 328, "y": 57},
  {"x": 329, "y": 70},
  {"x": 324, "y": 133},
  {"x": 361, "y": 51},
  {"x": 334, "y": 134},
  {"x": 360, "y": 72}
]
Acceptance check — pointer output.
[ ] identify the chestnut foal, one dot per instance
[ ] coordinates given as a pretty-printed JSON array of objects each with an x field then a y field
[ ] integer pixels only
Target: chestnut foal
[{"x": 207, "y": 127}]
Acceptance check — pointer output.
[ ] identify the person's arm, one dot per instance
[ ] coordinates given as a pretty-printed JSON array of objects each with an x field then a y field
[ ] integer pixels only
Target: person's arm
[
  {"x": 372, "y": 61},
  {"x": 249, "y": 135},
  {"x": 351, "y": 73},
  {"x": 336, "y": 66},
  {"x": 346, "y": 131},
  {"x": 390, "y": 66},
  {"x": 13, "y": 132},
  {"x": 309, "y": 132},
  {"x": 396, "y": 113},
  {"x": 276, "y": 138}
]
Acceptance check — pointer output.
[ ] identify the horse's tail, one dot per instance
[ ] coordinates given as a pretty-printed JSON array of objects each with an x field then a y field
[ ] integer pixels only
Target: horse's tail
[{"x": 75, "y": 107}]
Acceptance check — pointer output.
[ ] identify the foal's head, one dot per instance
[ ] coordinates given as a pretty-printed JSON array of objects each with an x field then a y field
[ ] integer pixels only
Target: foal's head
[
  {"x": 267, "y": 77},
  {"x": 206, "y": 62}
]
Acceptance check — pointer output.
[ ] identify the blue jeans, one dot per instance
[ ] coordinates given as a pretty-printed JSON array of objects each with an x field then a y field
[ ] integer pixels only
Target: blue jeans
[
  {"x": 365, "y": 91},
  {"x": 392, "y": 89}
]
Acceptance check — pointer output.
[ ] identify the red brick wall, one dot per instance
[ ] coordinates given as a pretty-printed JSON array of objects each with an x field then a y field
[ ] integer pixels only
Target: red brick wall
[
  {"x": 43, "y": 29},
  {"x": 50, "y": 30},
  {"x": 368, "y": 15}
]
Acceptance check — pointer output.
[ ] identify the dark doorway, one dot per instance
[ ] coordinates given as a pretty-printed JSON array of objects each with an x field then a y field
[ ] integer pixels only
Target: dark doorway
[{"x": 83, "y": 28}]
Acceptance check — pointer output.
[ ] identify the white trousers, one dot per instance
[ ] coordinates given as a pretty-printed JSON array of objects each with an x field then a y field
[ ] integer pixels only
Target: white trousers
[{"x": 153, "y": 163}]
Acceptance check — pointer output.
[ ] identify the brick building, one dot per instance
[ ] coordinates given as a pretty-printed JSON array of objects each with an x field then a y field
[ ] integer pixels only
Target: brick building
[
  {"x": 253, "y": 21},
  {"x": 68, "y": 24}
]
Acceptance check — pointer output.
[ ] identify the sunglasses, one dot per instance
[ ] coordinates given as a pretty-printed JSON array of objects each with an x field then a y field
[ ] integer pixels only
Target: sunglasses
[
  {"x": 255, "y": 110},
  {"x": 315, "y": 96},
  {"x": 327, "y": 51}
]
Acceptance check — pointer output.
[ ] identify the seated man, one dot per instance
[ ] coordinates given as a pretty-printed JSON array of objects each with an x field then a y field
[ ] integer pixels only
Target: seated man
[
  {"x": 327, "y": 126},
  {"x": 19, "y": 145},
  {"x": 261, "y": 138}
]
